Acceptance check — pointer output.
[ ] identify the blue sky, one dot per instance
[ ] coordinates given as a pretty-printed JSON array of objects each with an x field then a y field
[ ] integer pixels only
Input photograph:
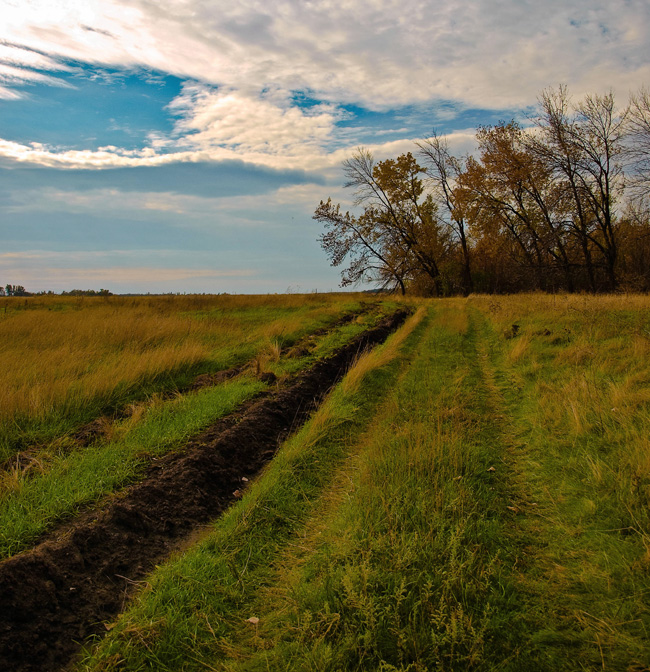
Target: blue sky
[{"x": 183, "y": 145}]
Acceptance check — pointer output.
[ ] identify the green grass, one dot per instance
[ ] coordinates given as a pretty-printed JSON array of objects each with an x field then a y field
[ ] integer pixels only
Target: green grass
[
  {"x": 578, "y": 408},
  {"x": 66, "y": 477},
  {"x": 474, "y": 495},
  {"x": 478, "y": 501},
  {"x": 180, "y": 622},
  {"x": 35, "y": 503},
  {"x": 67, "y": 361},
  {"x": 403, "y": 569}
]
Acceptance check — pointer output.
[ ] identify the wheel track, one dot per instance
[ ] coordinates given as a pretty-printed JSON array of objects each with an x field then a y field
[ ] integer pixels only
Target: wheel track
[{"x": 60, "y": 592}]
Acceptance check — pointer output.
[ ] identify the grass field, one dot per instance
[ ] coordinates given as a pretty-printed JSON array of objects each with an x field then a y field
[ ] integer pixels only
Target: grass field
[
  {"x": 55, "y": 476},
  {"x": 65, "y": 360},
  {"x": 474, "y": 495}
]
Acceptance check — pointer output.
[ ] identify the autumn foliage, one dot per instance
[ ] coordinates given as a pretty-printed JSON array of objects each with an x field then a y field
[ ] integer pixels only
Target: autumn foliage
[{"x": 561, "y": 205}]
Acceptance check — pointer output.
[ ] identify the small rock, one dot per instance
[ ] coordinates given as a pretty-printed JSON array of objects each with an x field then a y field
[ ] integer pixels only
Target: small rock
[
  {"x": 491, "y": 469},
  {"x": 253, "y": 619}
]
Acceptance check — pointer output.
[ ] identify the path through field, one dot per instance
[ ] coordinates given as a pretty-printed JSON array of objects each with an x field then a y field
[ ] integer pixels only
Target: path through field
[
  {"x": 467, "y": 522},
  {"x": 473, "y": 495},
  {"x": 58, "y": 593}
]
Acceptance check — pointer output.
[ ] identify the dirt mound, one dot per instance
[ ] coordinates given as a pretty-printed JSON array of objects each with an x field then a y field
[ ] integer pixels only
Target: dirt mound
[{"x": 57, "y": 594}]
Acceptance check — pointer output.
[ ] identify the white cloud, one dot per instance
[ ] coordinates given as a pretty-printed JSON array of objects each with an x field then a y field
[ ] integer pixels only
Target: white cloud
[
  {"x": 104, "y": 157},
  {"x": 20, "y": 66},
  {"x": 382, "y": 54},
  {"x": 245, "y": 61},
  {"x": 249, "y": 124},
  {"x": 220, "y": 126}
]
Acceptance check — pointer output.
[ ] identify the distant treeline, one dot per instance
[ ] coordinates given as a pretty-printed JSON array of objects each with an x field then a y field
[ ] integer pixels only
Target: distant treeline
[
  {"x": 561, "y": 206},
  {"x": 13, "y": 290},
  {"x": 19, "y": 290}
]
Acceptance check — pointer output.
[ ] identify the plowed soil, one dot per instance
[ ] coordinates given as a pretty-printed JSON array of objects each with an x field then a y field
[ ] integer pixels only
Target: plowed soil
[{"x": 57, "y": 594}]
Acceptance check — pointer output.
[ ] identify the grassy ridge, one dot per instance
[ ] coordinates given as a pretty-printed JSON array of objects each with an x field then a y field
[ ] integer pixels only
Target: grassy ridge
[
  {"x": 65, "y": 361},
  {"x": 401, "y": 567},
  {"x": 32, "y": 505},
  {"x": 576, "y": 378},
  {"x": 477, "y": 499}
]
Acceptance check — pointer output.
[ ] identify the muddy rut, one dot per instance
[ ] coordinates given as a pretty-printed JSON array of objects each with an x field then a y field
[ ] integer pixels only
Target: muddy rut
[{"x": 57, "y": 594}]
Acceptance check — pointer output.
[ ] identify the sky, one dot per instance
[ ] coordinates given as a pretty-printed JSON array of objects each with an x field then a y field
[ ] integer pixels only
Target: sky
[{"x": 183, "y": 145}]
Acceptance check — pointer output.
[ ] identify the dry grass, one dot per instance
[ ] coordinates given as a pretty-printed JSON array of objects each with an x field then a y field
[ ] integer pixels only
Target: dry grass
[
  {"x": 62, "y": 354},
  {"x": 381, "y": 356},
  {"x": 492, "y": 514}
]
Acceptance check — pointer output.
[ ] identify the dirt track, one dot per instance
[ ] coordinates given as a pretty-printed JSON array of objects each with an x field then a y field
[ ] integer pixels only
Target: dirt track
[{"x": 56, "y": 595}]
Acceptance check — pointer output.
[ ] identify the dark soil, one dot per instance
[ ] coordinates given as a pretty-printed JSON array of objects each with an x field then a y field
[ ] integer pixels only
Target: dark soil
[{"x": 60, "y": 592}]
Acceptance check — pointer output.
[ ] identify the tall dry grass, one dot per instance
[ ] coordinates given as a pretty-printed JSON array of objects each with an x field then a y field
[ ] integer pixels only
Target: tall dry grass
[{"x": 61, "y": 355}]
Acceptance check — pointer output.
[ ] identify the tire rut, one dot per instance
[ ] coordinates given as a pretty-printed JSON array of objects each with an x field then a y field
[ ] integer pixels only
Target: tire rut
[{"x": 57, "y": 594}]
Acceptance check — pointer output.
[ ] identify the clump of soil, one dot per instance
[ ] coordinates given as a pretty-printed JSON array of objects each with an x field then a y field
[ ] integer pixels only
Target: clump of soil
[{"x": 57, "y": 594}]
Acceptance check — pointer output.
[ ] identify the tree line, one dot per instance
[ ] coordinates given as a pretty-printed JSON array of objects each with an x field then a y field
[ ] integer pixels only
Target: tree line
[
  {"x": 13, "y": 290},
  {"x": 19, "y": 290},
  {"x": 561, "y": 205}
]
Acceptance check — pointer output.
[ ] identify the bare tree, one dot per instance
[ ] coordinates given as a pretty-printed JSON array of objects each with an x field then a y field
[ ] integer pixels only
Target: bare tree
[
  {"x": 583, "y": 144},
  {"x": 638, "y": 145},
  {"x": 396, "y": 237},
  {"x": 443, "y": 170}
]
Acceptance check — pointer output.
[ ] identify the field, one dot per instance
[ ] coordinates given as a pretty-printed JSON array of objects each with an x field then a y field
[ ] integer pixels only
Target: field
[{"x": 325, "y": 482}]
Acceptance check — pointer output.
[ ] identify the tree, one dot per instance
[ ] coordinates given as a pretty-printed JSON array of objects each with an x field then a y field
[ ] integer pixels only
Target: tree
[
  {"x": 373, "y": 256},
  {"x": 15, "y": 290},
  {"x": 396, "y": 238},
  {"x": 638, "y": 146},
  {"x": 583, "y": 145},
  {"x": 443, "y": 170}
]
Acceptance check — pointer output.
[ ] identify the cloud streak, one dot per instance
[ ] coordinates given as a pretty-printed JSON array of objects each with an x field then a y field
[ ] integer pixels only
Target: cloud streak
[
  {"x": 38, "y": 270},
  {"x": 257, "y": 106}
]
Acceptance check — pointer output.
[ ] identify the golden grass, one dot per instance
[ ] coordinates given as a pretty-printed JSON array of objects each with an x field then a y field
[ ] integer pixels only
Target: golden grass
[
  {"x": 58, "y": 358},
  {"x": 60, "y": 353},
  {"x": 589, "y": 400},
  {"x": 381, "y": 356}
]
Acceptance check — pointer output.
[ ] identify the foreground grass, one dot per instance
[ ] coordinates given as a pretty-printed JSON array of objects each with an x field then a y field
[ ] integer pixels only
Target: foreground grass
[
  {"x": 401, "y": 569},
  {"x": 32, "y": 505},
  {"x": 66, "y": 361},
  {"x": 477, "y": 500},
  {"x": 576, "y": 378}
]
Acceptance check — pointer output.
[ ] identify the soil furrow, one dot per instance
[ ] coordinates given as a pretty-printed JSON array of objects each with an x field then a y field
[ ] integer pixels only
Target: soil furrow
[{"x": 57, "y": 594}]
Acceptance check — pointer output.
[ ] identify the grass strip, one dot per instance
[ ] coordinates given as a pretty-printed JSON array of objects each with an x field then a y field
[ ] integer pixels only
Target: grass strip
[
  {"x": 490, "y": 512},
  {"x": 70, "y": 477},
  {"x": 401, "y": 568},
  {"x": 33, "y": 505},
  {"x": 181, "y": 621}
]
